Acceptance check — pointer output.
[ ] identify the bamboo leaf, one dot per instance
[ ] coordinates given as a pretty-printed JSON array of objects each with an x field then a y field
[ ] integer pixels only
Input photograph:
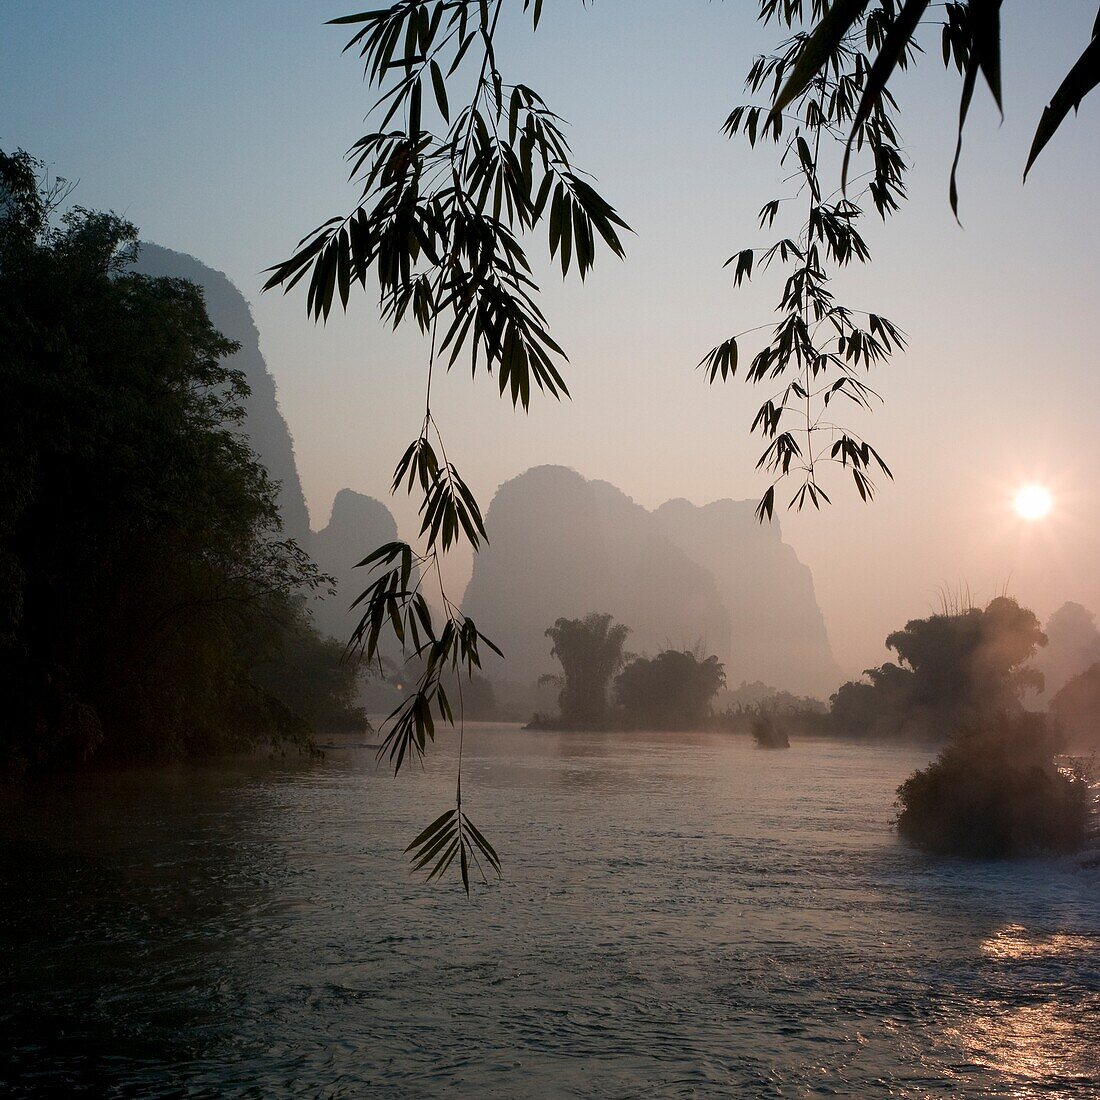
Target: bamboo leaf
[
  {"x": 440, "y": 87},
  {"x": 818, "y": 49},
  {"x": 1079, "y": 81}
]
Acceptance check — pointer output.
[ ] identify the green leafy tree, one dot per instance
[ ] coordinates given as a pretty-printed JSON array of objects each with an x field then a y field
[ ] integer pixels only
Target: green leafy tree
[
  {"x": 591, "y": 652},
  {"x": 146, "y": 590},
  {"x": 954, "y": 669},
  {"x": 671, "y": 691}
]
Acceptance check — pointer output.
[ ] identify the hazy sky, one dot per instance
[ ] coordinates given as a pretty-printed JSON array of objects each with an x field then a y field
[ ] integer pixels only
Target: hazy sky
[{"x": 219, "y": 129}]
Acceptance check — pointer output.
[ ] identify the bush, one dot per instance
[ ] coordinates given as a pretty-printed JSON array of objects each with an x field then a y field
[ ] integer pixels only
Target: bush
[
  {"x": 768, "y": 733},
  {"x": 995, "y": 791}
]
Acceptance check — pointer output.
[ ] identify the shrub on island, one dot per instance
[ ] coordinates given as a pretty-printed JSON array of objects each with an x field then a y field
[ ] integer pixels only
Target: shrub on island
[{"x": 996, "y": 791}]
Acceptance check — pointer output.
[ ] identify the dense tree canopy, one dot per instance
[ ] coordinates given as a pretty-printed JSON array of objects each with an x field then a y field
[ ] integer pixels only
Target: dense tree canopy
[
  {"x": 671, "y": 691},
  {"x": 954, "y": 668},
  {"x": 148, "y": 603}
]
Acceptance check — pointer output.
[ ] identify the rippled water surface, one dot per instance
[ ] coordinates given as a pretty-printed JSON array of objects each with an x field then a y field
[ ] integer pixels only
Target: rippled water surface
[{"x": 680, "y": 915}]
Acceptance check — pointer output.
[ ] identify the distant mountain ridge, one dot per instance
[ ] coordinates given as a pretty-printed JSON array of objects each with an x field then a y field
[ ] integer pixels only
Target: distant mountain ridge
[
  {"x": 356, "y": 526},
  {"x": 358, "y": 523},
  {"x": 560, "y": 545},
  {"x": 778, "y": 632}
]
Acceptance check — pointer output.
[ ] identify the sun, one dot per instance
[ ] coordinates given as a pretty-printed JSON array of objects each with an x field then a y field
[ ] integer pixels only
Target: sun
[{"x": 1033, "y": 502}]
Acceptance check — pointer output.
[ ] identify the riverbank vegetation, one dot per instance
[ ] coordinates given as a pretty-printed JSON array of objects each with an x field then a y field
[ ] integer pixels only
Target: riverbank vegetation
[
  {"x": 995, "y": 790},
  {"x": 149, "y": 605},
  {"x": 670, "y": 691},
  {"x": 590, "y": 651}
]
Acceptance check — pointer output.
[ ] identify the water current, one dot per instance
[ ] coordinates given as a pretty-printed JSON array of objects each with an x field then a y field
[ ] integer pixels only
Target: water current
[{"x": 679, "y": 915}]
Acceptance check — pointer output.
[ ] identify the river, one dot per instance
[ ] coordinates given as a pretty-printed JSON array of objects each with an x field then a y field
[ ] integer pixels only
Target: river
[{"x": 680, "y": 915}]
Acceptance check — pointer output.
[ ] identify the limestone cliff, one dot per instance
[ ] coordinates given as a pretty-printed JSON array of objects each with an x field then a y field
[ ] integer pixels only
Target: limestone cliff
[
  {"x": 358, "y": 525},
  {"x": 778, "y": 632},
  {"x": 563, "y": 546},
  {"x": 264, "y": 421}
]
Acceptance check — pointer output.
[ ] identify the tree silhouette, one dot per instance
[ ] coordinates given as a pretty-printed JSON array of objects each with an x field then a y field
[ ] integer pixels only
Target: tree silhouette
[
  {"x": 591, "y": 652},
  {"x": 954, "y": 669},
  {"x": 148, "y": 600},
  {"x": 670, "y": 691},
  {"x": 461, "y": 166}
]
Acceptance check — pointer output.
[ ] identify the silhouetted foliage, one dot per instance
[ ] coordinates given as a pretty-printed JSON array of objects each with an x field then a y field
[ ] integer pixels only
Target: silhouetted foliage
[
  {"x": 971, "y": 41},
  {"x": 882, "y": 703},
  {"x": 954, "y": 669},
  {"x": 460, "y": 166},
  {"x": 1076, "y": 706},
  {"x": 452, "y": 181},
  {"x": 768, "y": 731},
  {"x": 671, "y": 691},
  {"x": 591, "y": 652},
  {"x": 819, "y": 348},
  {"x": 147, "y": 601},
  {"x": 995, "y": 791},
  {"x": 305, "y": 670}
]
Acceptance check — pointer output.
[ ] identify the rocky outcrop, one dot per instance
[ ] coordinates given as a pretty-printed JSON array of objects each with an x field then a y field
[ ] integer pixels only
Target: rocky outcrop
[
  {"x": 564, "y": 546},
  {"x": 264, "y": 421},
  {"x": 358, "y": 525}
]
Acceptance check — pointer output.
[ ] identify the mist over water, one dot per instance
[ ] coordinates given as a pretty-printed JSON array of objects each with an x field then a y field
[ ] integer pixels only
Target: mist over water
[{"x": 681, "y": 915}]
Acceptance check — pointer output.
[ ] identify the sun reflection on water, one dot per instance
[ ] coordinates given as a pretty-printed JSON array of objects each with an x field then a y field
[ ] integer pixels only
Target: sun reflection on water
[
  {"x": 1014, "y": 942},
  {"x": 1043, "y": 1042}
]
